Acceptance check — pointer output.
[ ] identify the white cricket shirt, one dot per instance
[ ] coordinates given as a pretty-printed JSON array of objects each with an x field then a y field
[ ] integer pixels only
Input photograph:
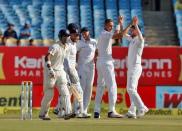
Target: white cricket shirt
[
  {"x": 58, "y": 54},
  {"x": 72, "y": 53},
  {"x": 104, "y": 45},
  {"x": 86, "y": 51}
]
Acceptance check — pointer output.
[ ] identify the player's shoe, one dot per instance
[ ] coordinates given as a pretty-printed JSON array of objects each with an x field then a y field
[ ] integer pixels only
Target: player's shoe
[
  {"x": 68, "y": 116},
  {"x": 73, "y": 115},
  {"x": 56, "y": 111},
  {"x": 114, "y": 115},
  {"x": 44, "y": 117},
  {"x": 82, "y": 115},
  {"x": 129, "y": 115},
  {"x": 142, "y": 112},
  {"x": 61, "y": 114},
  {"x": 88, "y": 114},
  {"x": 96, "y": 115}
]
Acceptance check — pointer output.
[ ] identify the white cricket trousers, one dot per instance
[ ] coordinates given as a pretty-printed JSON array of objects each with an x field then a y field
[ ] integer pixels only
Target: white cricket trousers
[
  {"x": 61, "y": 82},
  {"x": 86, "y": 74},
  {"x": 106, "y": 77},
  {"x": 133, "y": 76}
]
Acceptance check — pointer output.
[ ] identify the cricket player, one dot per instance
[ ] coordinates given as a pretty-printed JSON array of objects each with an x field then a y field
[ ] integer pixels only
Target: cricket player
[
  {"x": 73, "y": 41},
  {"x": 54, "y": 74},
  {"x": 70, "y": 67},
  {"x": 105, "y": 67},
  {"x": 135, "y": 50},
  {"x": 86, "y": 49}
]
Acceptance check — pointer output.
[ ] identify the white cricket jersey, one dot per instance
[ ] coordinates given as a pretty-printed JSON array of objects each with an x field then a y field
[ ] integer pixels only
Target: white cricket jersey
[
  {"x": 72, "y": 52},
  {"x": 104, "y": 45},
  {"x": 135, "y": 50},
  {"x": 86, "y": 51},
  {"x": 58, "y": 54}
]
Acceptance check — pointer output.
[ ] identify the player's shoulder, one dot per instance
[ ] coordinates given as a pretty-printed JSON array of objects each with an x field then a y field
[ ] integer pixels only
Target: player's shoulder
[
  {"x": 55, "y": 45},
  {"x": 80, "y": 42},
  {"x": 106, "y": 34},
  {"x": 93, "y": 41}
]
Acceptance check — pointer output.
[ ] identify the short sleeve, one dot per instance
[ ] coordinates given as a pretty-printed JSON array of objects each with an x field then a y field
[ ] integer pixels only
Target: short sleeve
[
  {"x": 141, "y": 42},
  {"x": 95, "y": 43},
  {"x": 78, "y": 46},
  {"x": 108, "y": 35},
  {"x": 53, "y": 49}
]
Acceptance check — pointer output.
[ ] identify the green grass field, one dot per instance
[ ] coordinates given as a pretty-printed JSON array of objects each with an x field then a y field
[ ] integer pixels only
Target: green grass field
[
  {"x": 147, "y": 123},
  {"x": 163, "y": 120}
]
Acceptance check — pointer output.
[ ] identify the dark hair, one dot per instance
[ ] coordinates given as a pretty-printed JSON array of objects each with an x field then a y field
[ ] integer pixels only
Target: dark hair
[
  {"x": 108, "y": 20},
  {"x": 133, "y": 27},
  {"x": 84, "y": 29},
  {"x": 72, "y": 26},
  {"x": 63, "y": 33}
]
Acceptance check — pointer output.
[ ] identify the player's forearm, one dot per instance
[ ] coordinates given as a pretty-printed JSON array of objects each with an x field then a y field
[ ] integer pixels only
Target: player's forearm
[
  {"x": 117, "y": 35},
  {"x": 119, "y": 28},
  {"x": 48, "y": 61},
  {"x": 125, "y": 31},
  {"x": 139, "y": 32},
  {"x": 95, "y": 56}
]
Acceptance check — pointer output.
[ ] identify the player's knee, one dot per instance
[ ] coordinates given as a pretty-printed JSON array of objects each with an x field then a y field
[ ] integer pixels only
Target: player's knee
[
  {"x": 80, "y": 90},
  {"x": 48, "y": 95},
  {"x": 63, "y": 90},
  {"x": 131, "y": 91},
  {"x": 66, "y": 94}
]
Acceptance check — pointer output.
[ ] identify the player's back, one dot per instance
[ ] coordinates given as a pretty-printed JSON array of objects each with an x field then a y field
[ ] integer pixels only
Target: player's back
[{"x": 135, "y": 52}]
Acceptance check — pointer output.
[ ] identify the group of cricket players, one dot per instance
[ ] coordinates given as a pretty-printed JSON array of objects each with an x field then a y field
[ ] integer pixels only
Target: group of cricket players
[{"x": 70, "y": 66}]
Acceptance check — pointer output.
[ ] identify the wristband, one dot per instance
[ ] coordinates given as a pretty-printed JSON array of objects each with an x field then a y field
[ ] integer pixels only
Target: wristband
[
  {"x": 118, "y": 27},
  {"x": 51, "y": 69},
  {"x": 48, "y": 63}
]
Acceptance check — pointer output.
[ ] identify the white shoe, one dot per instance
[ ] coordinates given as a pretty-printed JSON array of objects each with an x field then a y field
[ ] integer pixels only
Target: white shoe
[
  {"x": 88, "y": 114},
  {"x": 129, "y": 115},
  {"x": 61, "y": 114},
  {"x": 114, "y": 115},
  {"x": 142, "y": 112},
  {"x": 82, "y": 115}
]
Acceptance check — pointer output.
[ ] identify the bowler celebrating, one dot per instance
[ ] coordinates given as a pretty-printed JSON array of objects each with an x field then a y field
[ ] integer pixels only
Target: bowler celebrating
[{"x": 105, "y": 68}]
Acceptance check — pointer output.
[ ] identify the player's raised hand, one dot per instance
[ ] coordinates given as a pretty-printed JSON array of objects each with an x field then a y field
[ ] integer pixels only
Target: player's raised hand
[
  {"x": 120, "y": 20},
  {"x": 135, "y": 20}
]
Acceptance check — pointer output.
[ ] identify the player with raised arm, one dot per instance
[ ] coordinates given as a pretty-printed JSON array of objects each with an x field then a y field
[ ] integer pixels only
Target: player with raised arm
[
  {"x": 135, "y": 51},
  {"x": 105, "y": 67}
]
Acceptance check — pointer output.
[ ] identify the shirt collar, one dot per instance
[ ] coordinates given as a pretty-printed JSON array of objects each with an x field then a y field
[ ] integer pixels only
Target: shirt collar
[
  {"x": 86, "y": 40},
  {"x": 63, "y": 46}
]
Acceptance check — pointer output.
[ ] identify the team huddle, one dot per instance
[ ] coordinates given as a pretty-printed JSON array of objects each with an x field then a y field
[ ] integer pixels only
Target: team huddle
[{"x": 70, "y": 66}]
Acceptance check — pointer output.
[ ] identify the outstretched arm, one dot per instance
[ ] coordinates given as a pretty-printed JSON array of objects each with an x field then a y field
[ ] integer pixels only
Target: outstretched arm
[
  {"x": 135, "y": 23},
  {"x": 119, "y": 28},
  {"x": 125, "y": 31}
]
